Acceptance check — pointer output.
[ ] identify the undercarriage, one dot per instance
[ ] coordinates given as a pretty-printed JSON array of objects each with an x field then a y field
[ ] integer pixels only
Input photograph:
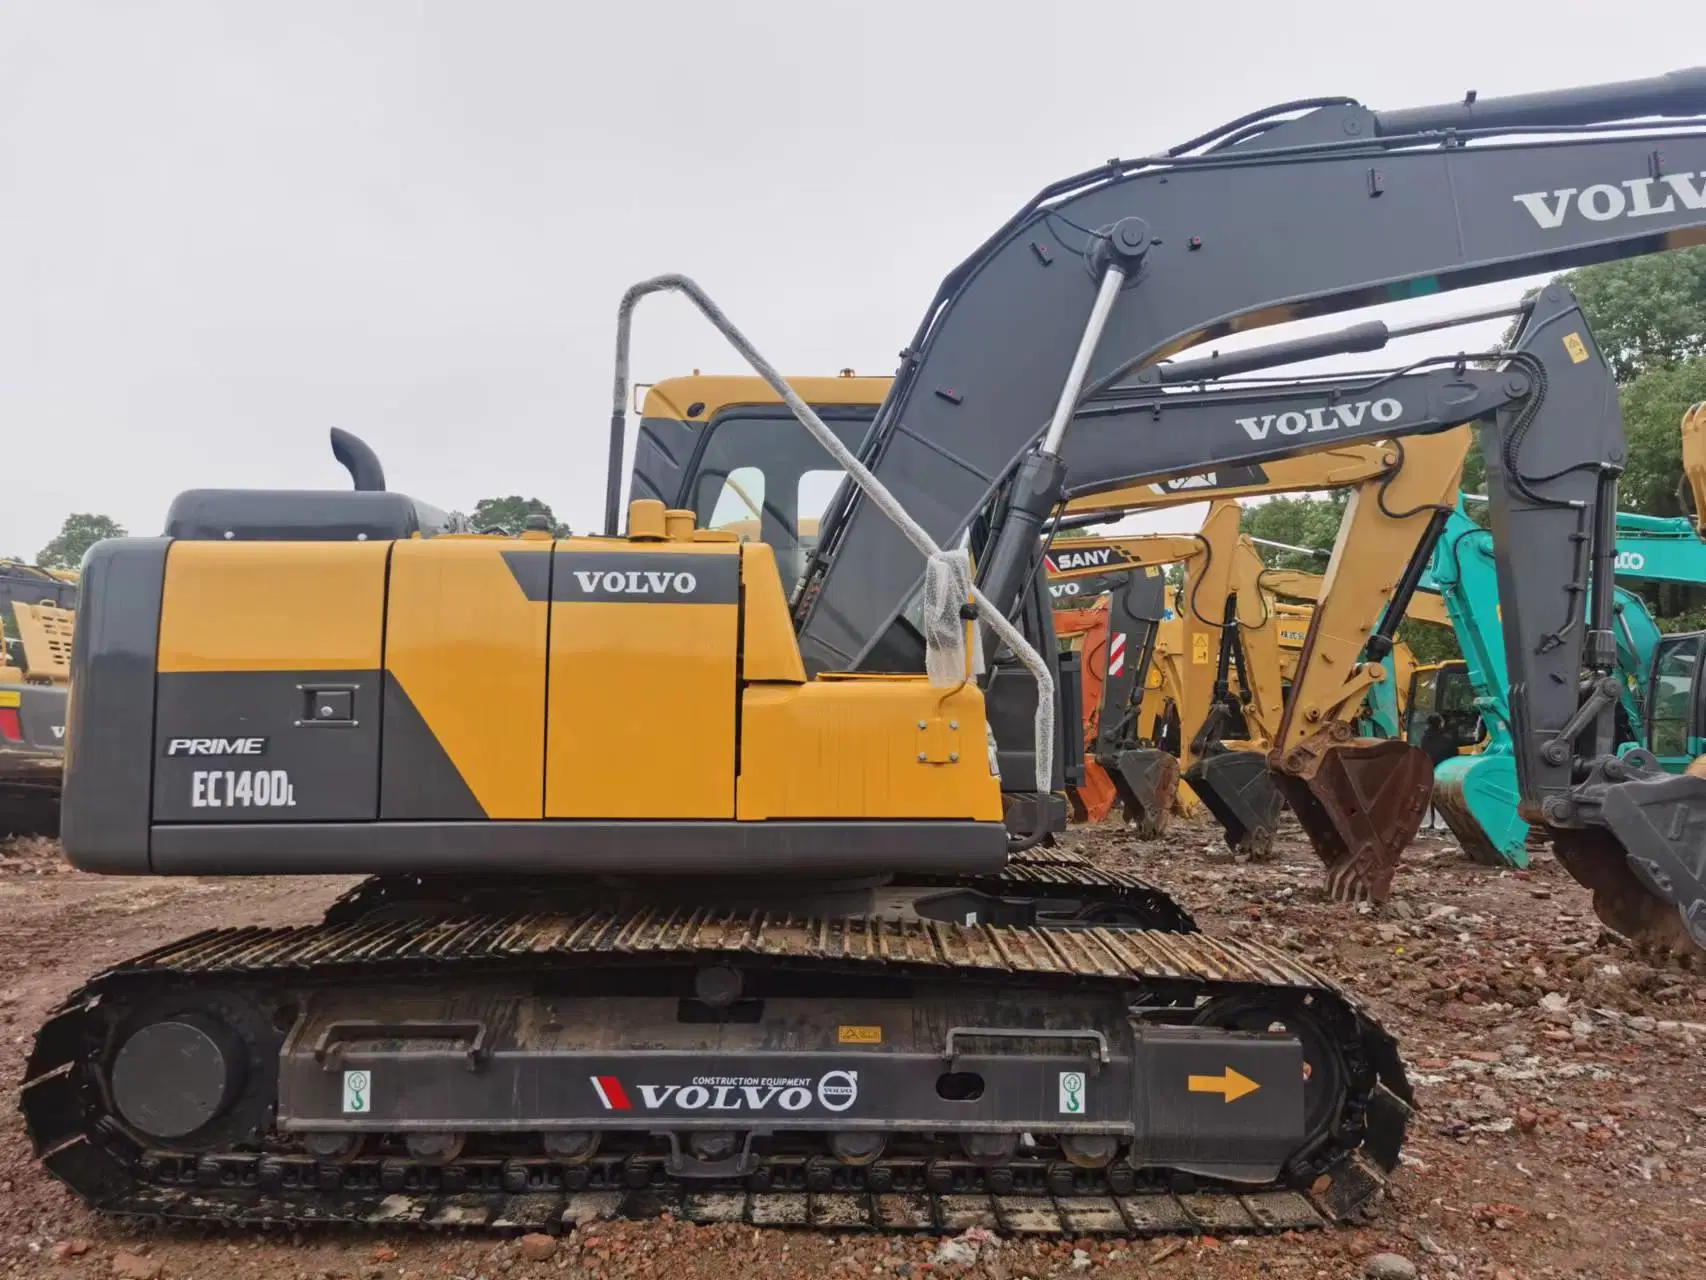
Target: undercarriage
[{"x": 420, "y": 1058}]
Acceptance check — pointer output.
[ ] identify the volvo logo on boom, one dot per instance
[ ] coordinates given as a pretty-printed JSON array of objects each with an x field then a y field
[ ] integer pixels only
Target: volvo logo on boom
[
  {"x": 1331, "y": 417},
  {"x": 1607, "y": 201}
]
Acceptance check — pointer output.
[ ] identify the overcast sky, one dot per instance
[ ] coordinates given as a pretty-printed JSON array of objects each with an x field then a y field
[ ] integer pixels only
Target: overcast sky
[{"x": 227, "y": 226}]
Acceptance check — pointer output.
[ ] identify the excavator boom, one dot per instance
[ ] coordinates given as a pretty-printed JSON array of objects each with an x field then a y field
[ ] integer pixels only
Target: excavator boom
[{"x": 1396, "y": 207}]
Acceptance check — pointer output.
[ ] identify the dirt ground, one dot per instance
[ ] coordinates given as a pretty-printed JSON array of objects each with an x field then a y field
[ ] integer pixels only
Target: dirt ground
[{"x": 1562, "y": 1086}]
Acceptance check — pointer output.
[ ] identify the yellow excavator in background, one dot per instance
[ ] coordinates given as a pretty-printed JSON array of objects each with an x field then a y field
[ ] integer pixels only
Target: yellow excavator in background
[
  {"x": 38, "y": 613},
  {"x": 1118, "y": 639},
  {"x": 1377, "y": 789}
]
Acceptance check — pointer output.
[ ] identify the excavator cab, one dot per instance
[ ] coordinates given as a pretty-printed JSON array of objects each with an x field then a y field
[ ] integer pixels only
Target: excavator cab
[
  {"x": 1445, "y": 689},
  {"x": 1676, "y": 702}
]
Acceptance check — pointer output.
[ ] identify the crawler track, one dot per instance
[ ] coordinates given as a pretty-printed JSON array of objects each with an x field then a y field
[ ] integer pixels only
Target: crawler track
[{"x": 251, "y": 1175}]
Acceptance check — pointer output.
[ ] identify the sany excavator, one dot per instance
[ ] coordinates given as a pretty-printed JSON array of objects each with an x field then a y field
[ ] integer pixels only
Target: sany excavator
[
  {"x": 1121, "y": 637},
  {"x": 1119, "y": 648},
  {"x": 832, "y": 974}
]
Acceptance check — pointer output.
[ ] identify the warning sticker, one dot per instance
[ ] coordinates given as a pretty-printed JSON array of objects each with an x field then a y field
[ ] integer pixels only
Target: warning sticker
[
  {"x": 1576, "y": 347},
  {"x": 859, "y": 1035},
  {"x": 1202, "y": 653},
  {"x": 358, "y": 1093},
  {"x": 1071, "y": 1093}
]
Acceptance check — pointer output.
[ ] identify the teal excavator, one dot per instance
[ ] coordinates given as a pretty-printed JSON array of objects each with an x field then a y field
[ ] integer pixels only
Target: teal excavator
[{"x": 1477, "y": 793}]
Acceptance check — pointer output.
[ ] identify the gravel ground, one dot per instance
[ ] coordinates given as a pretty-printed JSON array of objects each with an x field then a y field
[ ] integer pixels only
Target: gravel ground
[{"x": 1562, "y": 1133}]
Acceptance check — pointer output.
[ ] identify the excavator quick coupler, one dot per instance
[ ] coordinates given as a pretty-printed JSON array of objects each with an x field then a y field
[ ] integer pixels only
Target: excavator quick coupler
[
  {"x": 1147, "y": 782},
  {"x": 1361, "y": 801},
  {"x": 1240, "y": 793}
]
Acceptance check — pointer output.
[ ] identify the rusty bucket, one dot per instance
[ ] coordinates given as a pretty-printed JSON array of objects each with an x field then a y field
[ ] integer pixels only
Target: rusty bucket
[{"x": 1361, "y": 802}]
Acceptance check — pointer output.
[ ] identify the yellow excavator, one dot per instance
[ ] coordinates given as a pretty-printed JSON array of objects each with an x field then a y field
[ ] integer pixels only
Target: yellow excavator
[
  {"x": 834, "y": 974},
  {"x": 37, "y": 607},
  {"x": 1118, "y": 643}
]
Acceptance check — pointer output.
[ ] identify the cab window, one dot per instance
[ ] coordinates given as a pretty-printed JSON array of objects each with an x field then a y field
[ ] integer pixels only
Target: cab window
[{"x": 1673, "y": 695}]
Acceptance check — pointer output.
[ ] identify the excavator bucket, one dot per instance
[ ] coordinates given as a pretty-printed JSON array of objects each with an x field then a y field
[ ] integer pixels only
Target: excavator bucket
[
  {"x": 1361, "y": 800},
  {"x": 1478, "y": 796},
  {"x": 1648, "y": 872},
  {"x": 1093, "y": 799},
  {"x": 1147, "y": 781},
  {"x": 1239, "y": 791}
]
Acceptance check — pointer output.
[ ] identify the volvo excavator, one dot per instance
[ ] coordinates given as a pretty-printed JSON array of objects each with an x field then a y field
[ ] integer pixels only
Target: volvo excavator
[{"x": 833, "y": 975}]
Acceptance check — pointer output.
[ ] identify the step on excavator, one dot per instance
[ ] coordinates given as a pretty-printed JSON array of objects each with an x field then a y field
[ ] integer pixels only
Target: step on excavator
[{"x": 819, "y": 979}]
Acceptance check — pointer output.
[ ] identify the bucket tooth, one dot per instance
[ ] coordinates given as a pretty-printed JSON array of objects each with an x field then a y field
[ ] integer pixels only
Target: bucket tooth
[
  {"x": 1147, "y": 782},
  {"x": 1240, "y": 793},
  {"x": 1361, "y": 801}
]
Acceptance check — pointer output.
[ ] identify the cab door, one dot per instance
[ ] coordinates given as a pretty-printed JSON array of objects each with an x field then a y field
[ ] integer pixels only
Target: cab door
[{"x": 1676, "y": 720}]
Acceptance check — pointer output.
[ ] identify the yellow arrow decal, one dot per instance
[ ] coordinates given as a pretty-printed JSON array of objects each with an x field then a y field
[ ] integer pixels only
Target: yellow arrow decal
[{"x": 1231, "y": 1086}]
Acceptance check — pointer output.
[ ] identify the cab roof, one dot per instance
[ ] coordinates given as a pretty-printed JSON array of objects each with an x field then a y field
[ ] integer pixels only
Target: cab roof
[{"x": 708, "y": 394}]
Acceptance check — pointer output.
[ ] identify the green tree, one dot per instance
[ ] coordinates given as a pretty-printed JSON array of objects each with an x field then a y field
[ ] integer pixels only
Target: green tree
[
  {"x": 81, "y": 530},
  {"x": 510, "y": 515},
  {"x": 1428, "y": 641},
  {"x": 1648, "y": 312},
  {"x": 1653, "y": 404},
  {"x": 1303, "y": 521}
]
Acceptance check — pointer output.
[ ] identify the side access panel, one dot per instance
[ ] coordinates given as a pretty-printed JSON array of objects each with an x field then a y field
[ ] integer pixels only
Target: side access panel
[
  {"x": 267, "y": 698},
  {"x": 644, "y": 680},
  {"x": 465, "y": 656}
]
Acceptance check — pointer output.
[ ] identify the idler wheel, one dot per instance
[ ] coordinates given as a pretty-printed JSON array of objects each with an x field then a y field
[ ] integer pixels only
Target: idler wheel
[{"x": 173, "y": 1077}]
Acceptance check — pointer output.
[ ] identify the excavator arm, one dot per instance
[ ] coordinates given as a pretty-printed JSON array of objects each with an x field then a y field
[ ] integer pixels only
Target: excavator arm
[
  {"x": 1329, "y": 469},
  {"x": 1296, "y": 584},
  {"x": 1274, "y": 217},
  {"x": 1361, "y": 800}
]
